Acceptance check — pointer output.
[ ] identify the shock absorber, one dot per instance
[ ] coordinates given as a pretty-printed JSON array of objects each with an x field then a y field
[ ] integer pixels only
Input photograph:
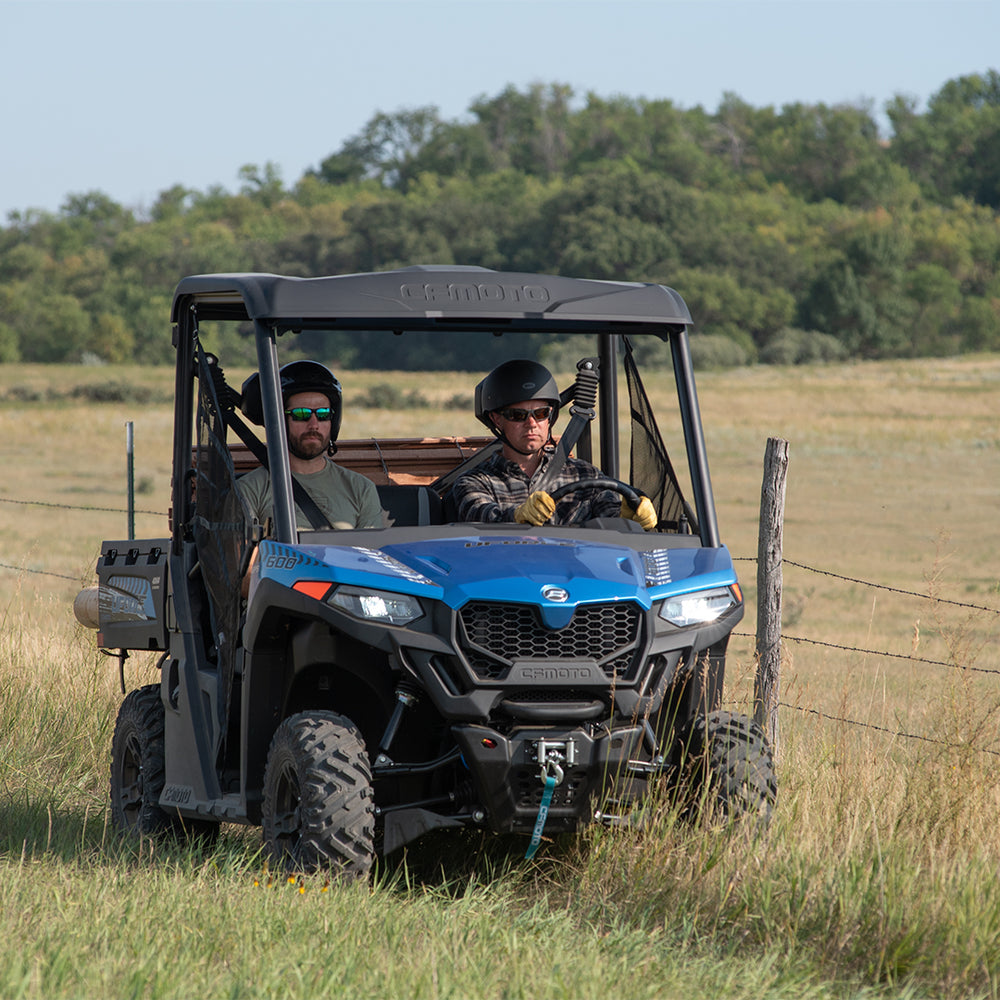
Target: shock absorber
[{"x": 406, "y": 697}]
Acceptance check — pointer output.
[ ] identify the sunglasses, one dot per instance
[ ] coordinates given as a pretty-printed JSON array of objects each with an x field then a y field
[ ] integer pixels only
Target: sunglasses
[
  {"x": 301, "y": 414},
  {"x": 518, "y": 416}
]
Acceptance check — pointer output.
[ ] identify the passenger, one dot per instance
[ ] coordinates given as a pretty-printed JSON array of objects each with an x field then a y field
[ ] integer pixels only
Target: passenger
[
  {"x": 313, "y": 407},
  {"x": 519, "y": 402}
]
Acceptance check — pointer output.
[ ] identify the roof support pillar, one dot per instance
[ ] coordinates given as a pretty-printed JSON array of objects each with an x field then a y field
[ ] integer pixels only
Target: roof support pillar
[{"x": 277, "y": 446}]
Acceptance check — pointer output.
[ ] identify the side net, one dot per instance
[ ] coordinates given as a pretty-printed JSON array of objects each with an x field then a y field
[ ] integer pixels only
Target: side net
[
  {"x": 221, "y": 523},
  {"x": 650, "y": 467}
]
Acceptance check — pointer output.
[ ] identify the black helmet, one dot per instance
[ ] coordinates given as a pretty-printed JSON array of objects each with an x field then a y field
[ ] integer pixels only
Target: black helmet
[
  {"x": 296, "y": 377},
  {"x": 514, "y": 382}
]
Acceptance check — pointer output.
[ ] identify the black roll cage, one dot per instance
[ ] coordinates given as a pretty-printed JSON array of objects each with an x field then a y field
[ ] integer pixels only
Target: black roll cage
[{"x": 430, "y": 298}]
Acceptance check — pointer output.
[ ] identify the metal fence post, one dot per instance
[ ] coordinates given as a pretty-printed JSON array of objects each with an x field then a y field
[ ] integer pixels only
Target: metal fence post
[{"x": 130, "y": 475}]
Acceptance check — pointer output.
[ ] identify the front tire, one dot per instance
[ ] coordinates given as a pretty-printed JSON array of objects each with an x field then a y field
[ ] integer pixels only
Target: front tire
[
  {"x": 726, "y": 766},
  {"x": 318, "y": 810}
]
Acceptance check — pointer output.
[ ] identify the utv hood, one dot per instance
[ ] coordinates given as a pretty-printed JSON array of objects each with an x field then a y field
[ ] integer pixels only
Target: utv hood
[{"x": 554, "y": 573}]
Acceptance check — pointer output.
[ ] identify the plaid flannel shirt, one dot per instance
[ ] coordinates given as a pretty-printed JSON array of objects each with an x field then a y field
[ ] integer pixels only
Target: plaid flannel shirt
[{"x": 495, "y": 489}]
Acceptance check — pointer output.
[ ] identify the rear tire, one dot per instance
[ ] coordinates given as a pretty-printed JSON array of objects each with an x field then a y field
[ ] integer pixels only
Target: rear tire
[
  {"x": 138, "y": 773},
  {"x": 137, "y": 770},
  {"x": 726, "y": 766},
  {"x": 318, "y": 810}
]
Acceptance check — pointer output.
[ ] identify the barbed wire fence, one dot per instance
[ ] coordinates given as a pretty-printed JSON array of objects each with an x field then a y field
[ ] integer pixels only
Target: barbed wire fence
[
  {"x": 861, "y": 650},
  {"x": 70, "y": 506},
  {"x": 803, "y": 640},
  {"x": 65, "y": 506}
]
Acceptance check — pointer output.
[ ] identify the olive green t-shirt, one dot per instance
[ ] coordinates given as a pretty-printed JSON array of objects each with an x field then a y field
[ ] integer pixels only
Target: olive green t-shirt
[{"x": 347, "y": 498}]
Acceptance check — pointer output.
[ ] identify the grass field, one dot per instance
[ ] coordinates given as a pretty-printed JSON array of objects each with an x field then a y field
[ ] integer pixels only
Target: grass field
[{"x": 878, "y": 877}]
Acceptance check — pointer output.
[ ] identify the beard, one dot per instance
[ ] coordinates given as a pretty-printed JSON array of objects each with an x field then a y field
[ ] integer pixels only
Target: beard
[{"x": 309, "y": 446}]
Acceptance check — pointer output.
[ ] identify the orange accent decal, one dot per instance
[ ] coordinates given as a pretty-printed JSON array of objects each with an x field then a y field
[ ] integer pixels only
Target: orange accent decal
[{"x": 316, "y": 589}]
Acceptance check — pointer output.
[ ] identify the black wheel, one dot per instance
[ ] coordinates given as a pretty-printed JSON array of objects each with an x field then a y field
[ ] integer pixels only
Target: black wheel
[
  {"x": 137, "y": 772},
  {"x": 319, "y": 809},
  {"x": 137, "y": 764},
  {"x": 726, "y": 765}
]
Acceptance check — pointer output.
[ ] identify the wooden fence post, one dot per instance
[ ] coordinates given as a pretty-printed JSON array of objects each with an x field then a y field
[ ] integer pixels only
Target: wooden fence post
[{"x": 769, "y": 541}]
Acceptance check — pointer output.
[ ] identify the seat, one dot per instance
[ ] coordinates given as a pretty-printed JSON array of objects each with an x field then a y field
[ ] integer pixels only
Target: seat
[{"x": 409, "y": 505}]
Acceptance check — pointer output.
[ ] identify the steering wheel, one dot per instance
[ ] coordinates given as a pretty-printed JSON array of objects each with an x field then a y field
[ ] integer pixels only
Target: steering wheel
[{"x": 631, "y": 495}]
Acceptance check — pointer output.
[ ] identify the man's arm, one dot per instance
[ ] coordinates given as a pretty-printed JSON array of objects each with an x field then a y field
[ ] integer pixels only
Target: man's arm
[
  {"x": 255, "y": 488},
  {"x": 486, "y": 498},
  {"x": 370, "y": 514}
]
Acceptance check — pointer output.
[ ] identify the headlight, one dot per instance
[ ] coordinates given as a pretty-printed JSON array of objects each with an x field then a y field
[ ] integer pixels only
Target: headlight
[
  {"x": 698, "y": 608},
  {"x": 376, "y": 605}
]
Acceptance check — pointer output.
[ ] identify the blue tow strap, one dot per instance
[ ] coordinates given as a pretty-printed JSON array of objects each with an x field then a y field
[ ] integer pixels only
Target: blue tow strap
[{"x": 543, "y": 812}]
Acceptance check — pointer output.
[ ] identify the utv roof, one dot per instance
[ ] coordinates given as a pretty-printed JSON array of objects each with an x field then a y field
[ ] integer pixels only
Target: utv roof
[{"x": 431, "y": 296}]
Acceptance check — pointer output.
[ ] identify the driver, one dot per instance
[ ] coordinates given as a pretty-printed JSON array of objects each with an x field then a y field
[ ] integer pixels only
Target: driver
[{"x": 519, "y": 402}]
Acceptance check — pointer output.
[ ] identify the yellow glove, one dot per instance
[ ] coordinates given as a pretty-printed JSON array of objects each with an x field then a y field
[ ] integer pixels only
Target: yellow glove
[
  {"x": 536, "y": 510},
  {"x": 645, "y": 515}
]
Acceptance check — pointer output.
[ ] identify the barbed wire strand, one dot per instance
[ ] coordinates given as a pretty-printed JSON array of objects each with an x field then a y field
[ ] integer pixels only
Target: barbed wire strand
[
  {"x": 67, "y": 506},
  {"x": 885, "y": 729},
  {"x": 877, "y": 586},
  {"x": 877, "y": 652},
  {"x": 40, "y": 572}
]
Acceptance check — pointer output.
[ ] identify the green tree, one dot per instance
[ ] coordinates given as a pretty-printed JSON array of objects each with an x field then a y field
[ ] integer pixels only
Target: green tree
[
  {"x": 9, "y": 350},
  {"x": 172, "y": 203},
  {"x": 111, "y": 339},
  {"x": 779, "y": 227},
  {"x": 394, "y": 232},
  {"x": 861, "y": 297},
  {"x": 386, "y": 149},
  {"x": 528, "y": 130},
  {"x": 938, "y": 298},
  {"x": 822, "y": 152},
  {"x": 22, "y": 262},
  {"x": 615, "y": 221},
  {"x": 955, "y": 148},
  {"x": 50, "y": 327},
  {"x": 263, "y": 184},
  {"x": 720, "y": 305},
  {"x": 977, "y": 327}
]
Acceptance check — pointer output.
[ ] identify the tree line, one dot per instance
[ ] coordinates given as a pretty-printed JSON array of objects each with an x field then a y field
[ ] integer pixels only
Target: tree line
[{"x": 794, "y": 234}]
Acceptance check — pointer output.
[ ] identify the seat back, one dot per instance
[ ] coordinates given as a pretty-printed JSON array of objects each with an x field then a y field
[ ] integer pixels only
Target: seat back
[{"x": 409, "y": 505}]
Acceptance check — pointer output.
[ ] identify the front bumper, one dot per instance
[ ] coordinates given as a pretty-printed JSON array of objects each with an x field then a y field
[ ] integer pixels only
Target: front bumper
[{"x": 508, "y": 774}]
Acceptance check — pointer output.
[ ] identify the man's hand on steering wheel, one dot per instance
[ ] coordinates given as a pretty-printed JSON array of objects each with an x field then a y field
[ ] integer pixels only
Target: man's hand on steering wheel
[
  {"x": 644, "y": 514},
  {"x": 635, "y": 507},
  {"x": 536, "y": 510}
]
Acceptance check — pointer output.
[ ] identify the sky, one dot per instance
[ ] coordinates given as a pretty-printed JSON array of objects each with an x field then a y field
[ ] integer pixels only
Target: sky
[{"x": 132, "y": 97}]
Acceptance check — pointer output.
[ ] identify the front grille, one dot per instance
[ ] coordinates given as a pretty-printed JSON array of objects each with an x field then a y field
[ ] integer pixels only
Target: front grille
[
  {"x": 535, "y": 696},
  {"x": 494, "y": 635}
]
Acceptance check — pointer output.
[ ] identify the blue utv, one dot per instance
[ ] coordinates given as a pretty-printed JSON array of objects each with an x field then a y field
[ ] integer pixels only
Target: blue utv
[{"x": 382, "y": 683}]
